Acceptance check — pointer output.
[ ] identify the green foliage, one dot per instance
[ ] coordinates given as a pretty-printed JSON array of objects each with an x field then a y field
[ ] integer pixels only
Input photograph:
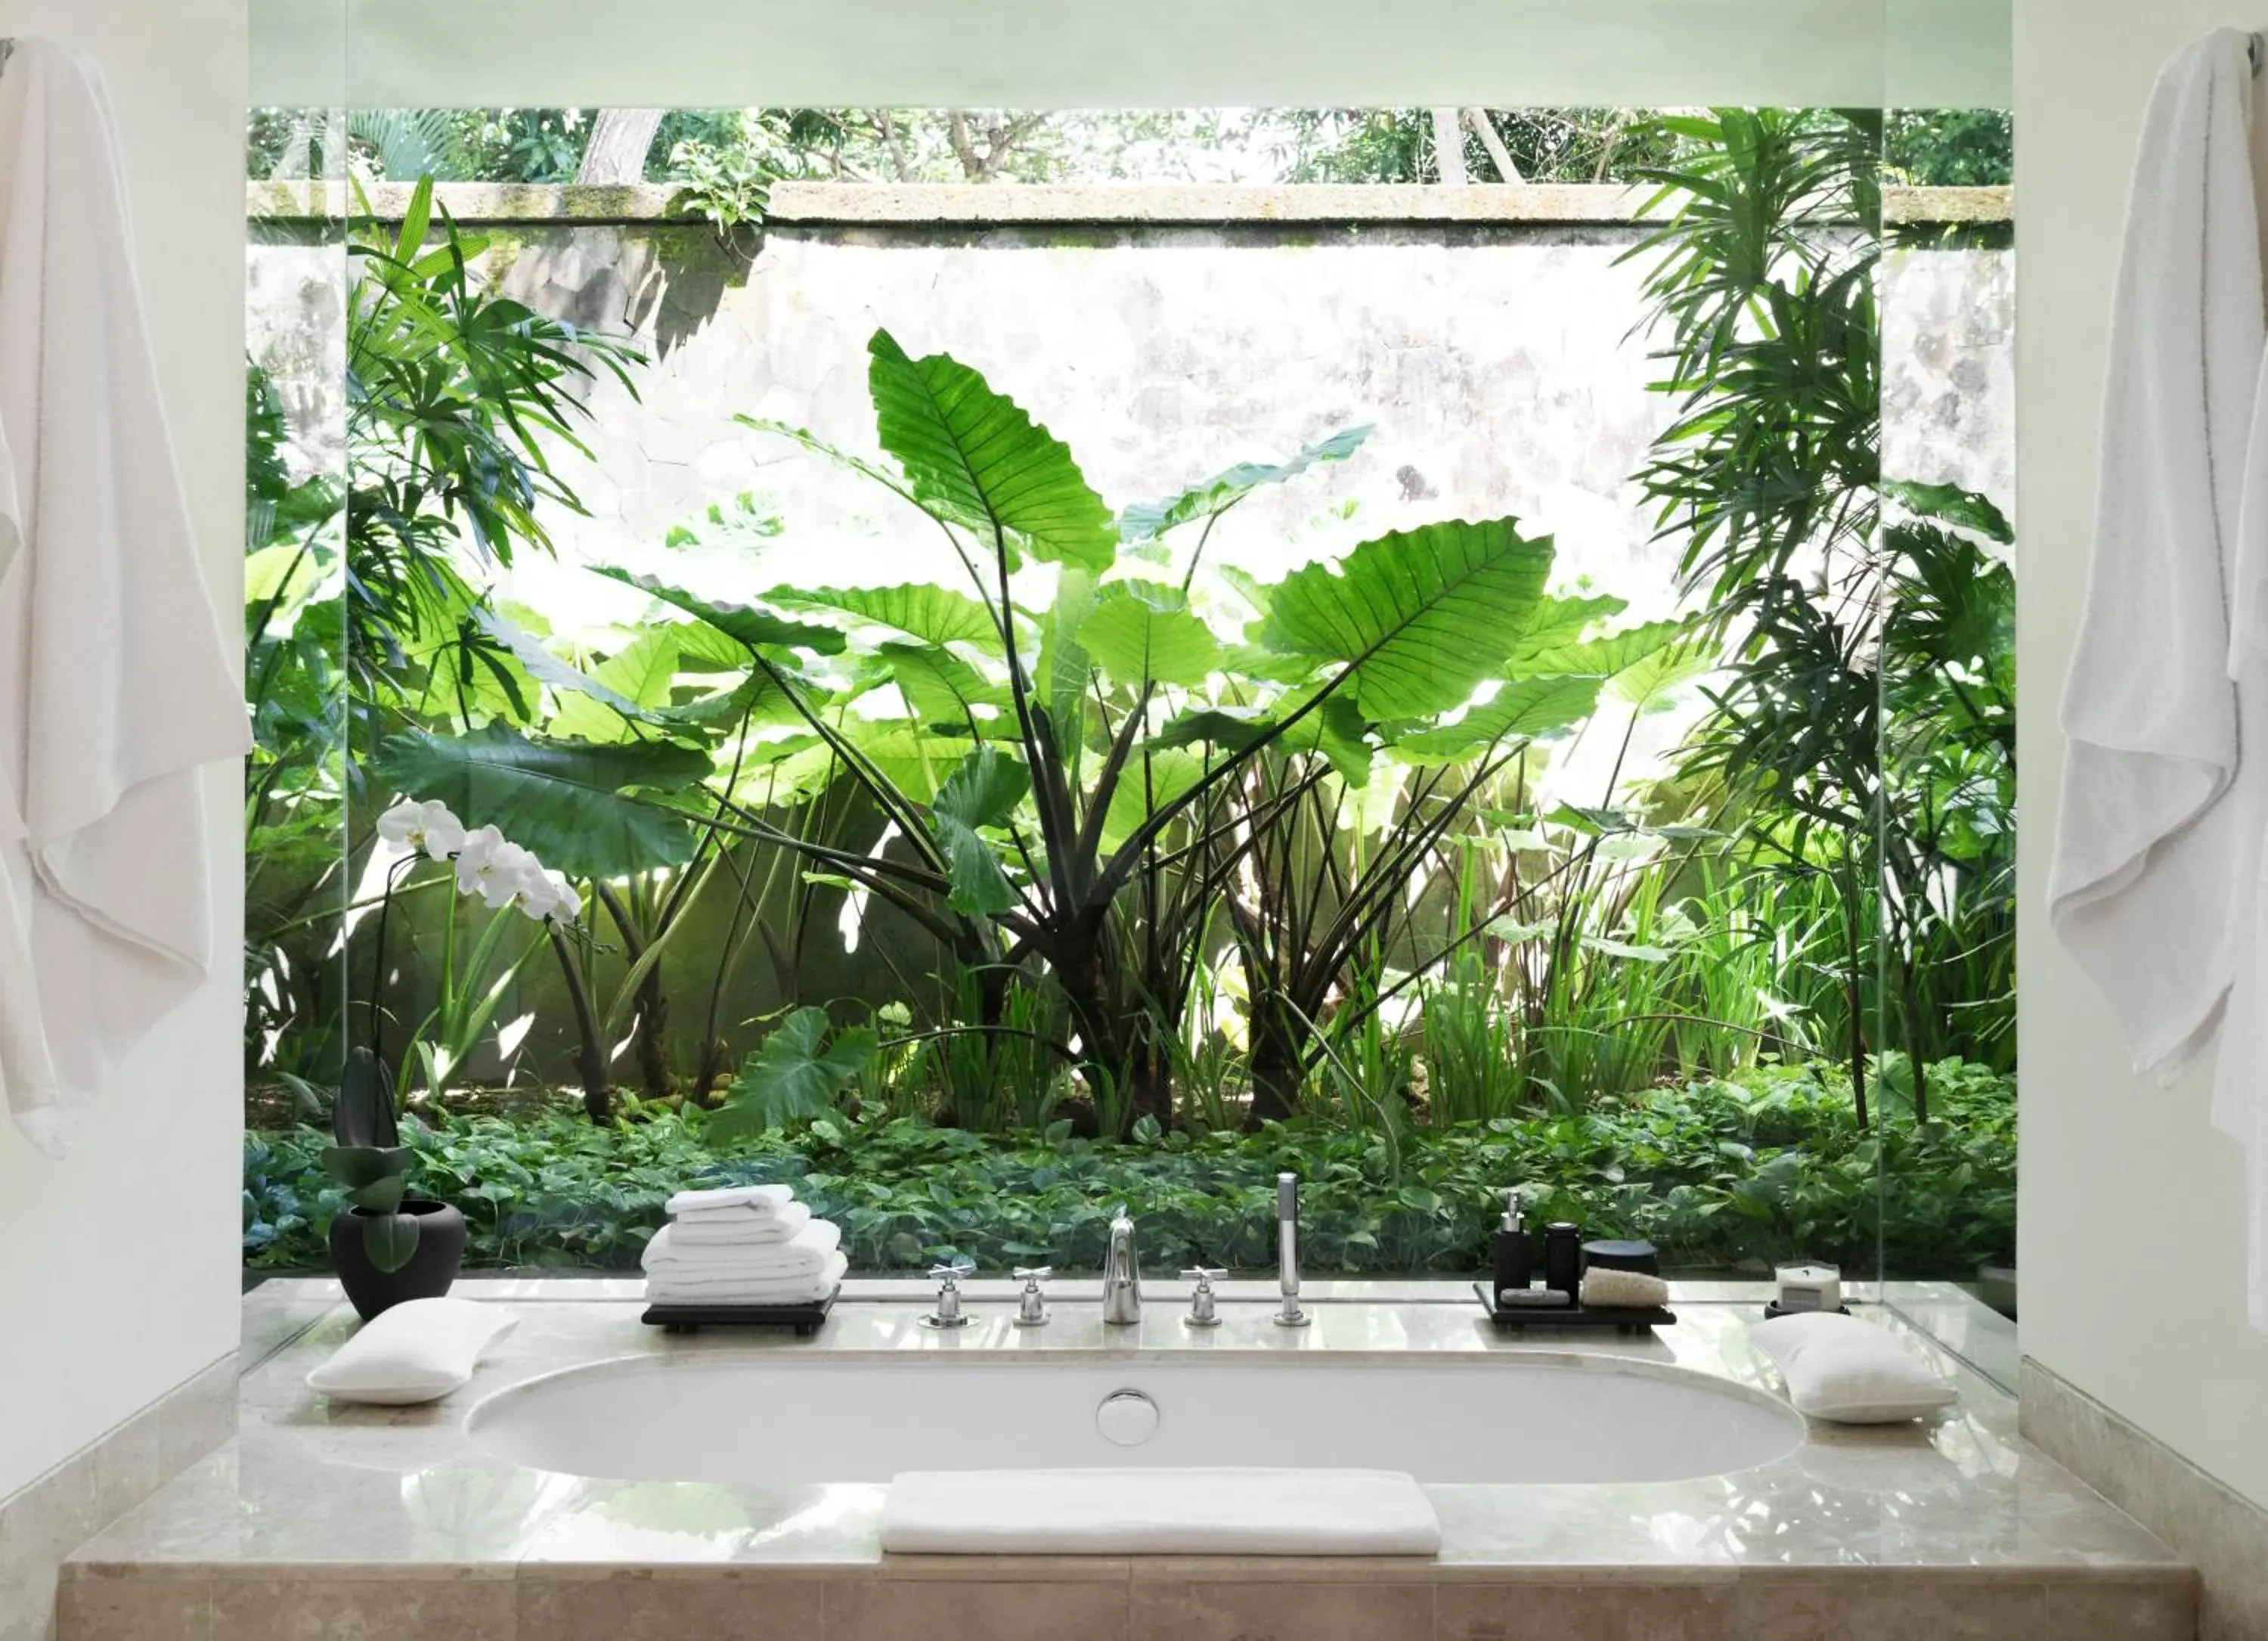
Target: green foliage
[
  {"x": 1724, "y": 1176},
  {"x": 727, "y": 188},
  {"x": 796, "y": 1072},
  {"x": 1950, "y": 147},
  {"x": 575, "y": 805}
]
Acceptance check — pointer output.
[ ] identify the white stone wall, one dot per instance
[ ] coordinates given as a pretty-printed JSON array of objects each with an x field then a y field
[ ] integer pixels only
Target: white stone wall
[{"x": 1502, "y": 371}]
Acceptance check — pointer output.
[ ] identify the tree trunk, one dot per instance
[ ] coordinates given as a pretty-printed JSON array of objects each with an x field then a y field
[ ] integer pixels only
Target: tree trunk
[
  {"x": 619, "y": 144},
  {"x": 1276, "y": 1067},
  {"x": 1499, "y": 156},
  {"x": 1145, "y": 1091},
  {"x": 590, "y": 1054},
  {"x": 1448, "y": 148},
  {"x": 653, "y": 1025}
]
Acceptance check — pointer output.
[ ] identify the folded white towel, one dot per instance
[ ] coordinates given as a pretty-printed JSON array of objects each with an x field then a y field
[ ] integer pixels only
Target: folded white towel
[
  {"x": 2161, "y": 821},
  {"x": 758, "y": 1199},
  {"x": 1159, "y": 1512},
  {"x": 675, "y": 1287},
  {"x": 739, "y": 1228},
  {"x": 799, "y": 1255}
]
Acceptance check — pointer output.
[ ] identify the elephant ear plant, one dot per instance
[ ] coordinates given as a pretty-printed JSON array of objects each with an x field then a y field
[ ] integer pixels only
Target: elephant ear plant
[
  {"x": 371, "y": 1161},
  {"x": 1069, "y": 790}
]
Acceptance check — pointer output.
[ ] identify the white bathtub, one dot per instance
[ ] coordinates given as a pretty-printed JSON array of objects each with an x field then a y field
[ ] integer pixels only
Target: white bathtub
[{"x": 761, "y": 1419}]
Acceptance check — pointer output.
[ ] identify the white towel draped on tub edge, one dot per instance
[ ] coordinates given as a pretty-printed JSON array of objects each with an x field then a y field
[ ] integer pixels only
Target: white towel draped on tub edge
[{"x": 115, "y": 684}]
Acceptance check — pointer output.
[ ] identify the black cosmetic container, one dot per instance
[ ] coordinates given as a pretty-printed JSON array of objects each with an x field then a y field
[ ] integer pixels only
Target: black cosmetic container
[{"x": 1563, "y": 1257}]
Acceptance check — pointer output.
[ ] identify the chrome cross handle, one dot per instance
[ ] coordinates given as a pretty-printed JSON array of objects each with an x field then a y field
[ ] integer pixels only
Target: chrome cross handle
[
  {"x": 948, "y": 1312},
  {"x": 1032, "y": 1306},
  {"x": 1202, "y": 1313}
]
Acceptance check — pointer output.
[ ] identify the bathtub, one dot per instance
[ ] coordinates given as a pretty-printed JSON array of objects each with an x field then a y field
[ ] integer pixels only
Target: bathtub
[{"x": 765, "y": 1418}]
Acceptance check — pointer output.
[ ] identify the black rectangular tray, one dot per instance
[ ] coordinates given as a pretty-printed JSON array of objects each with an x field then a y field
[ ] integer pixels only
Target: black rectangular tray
[
  {"x": 1594, "y": 1318},
  {"x": 691, "y": 1319}
]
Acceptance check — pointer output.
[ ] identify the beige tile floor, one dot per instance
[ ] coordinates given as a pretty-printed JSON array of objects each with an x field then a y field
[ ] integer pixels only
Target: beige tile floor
[{"x": 321, "y": 1520}]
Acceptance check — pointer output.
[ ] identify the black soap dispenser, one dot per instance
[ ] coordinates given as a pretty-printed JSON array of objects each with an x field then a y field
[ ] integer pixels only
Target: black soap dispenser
[{"x": 1515, "y": 1255}]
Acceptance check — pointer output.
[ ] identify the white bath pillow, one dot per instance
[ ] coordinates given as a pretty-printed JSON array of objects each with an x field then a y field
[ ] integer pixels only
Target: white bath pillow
[
  {"x": 418, "y": 1351},
  {"x": 1848, "y": 1372}
]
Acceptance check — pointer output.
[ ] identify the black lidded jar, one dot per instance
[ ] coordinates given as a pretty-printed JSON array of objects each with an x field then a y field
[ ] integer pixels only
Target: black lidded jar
[{"x": 1563, "y": 1257}]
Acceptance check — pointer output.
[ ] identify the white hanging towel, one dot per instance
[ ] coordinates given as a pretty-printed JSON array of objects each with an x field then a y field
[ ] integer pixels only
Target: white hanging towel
[
  {"x": 2158, "y": 838},
  {"x": 115, "y": 684}
]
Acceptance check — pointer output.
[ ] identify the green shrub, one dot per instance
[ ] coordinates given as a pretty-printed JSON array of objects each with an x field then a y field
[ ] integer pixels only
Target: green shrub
[{"x": 1724, "y": 1176}]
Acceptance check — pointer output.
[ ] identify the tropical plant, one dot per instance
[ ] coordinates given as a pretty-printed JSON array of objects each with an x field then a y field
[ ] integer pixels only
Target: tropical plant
[
  {"x": 1069, "y": 783},
  {"x": 459, "y": 400},
  {"x": 1764, "y": 282}
]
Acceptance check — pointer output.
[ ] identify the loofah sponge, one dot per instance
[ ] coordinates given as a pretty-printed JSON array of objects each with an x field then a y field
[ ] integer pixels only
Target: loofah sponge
[{"x": 1621, "y": 1289}]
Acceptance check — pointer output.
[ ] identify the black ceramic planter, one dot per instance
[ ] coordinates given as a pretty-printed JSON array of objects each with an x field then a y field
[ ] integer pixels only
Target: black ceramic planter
[{"x": 440, "y": 1250}]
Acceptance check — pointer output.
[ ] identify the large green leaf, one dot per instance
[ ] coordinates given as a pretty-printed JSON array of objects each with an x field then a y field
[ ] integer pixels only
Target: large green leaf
[
  {"x": 795, "y": 1072},
  {"x": 1520, "y": 710},
  {"x": 563, "y": 799},
  {"x": 1420, "y": 618},
  {"x": 984, "y": 791},
  {"x": 940, "y": 687},
  {"x": 1154, "y": 778},
  {"x": 975, "y": 456},
  {"x": 635, "y": 680},
  {"x": 755, "y": 628},
  {"x": 920, "y": 610},
  {"x": 1599, "y": 657},
  {"x": 1650, "y": 683},
  {"x": 574, "y": 687},
  {"x": 1142, "y": 632},
  {"x": 1211, "y": 497},
  {"x": 914, "y": 761}
]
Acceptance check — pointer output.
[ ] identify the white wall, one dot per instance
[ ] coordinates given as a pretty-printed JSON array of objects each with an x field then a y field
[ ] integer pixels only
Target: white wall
[
  {"x": 2130, "y": 1207},
  {"x": 119, "y": 1269}
]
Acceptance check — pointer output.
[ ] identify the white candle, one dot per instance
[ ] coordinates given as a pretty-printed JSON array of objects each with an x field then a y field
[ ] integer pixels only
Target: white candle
[{"x": 1810, "y": 1288}]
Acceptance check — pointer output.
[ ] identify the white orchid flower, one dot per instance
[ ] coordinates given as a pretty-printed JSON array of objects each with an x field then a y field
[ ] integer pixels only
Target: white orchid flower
[
  {"x": 476, "y": 860},
  {"x": 427, "y": 826},
  {"x": 539, "y": 893},
  {"x": 506, "y": 875},
  {"x": 569, "y": 906}
]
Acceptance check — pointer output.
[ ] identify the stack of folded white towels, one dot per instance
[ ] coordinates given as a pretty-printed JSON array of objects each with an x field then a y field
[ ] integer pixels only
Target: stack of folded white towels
[{"x": 748, "y": 1246}]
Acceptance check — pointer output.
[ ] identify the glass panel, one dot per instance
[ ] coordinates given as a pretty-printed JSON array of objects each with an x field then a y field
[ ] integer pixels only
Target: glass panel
[
  {"x": 1948, "y": 726},
  {"x": 296, "y": 886},
  {"x": 1395, "y": 669}
]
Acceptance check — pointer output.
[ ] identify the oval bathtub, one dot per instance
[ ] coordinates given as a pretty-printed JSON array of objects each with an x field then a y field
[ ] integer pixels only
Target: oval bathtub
[{"x": 759, "y": 1419}]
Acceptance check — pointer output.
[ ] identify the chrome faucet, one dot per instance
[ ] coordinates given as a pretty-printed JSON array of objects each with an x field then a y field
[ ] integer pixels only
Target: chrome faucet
[
  {"x": 1122, "y": 1275},
  {"x": 1288, "y": 1314}
]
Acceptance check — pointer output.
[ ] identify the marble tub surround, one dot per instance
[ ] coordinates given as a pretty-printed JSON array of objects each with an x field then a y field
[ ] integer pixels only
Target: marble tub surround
[
  {"x": 2223, "y": 1532},
  {"x": 40, "y": 1524},
  {"x": 1952, "y": 1526}
]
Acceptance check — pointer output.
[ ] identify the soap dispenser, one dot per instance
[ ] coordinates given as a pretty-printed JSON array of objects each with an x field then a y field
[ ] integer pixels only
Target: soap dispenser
[{"x": 1514, "y": 1257}]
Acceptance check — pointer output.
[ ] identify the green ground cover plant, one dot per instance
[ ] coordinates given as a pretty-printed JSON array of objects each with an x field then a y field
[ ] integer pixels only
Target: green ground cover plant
[{"x": 1722, "y": 1175}]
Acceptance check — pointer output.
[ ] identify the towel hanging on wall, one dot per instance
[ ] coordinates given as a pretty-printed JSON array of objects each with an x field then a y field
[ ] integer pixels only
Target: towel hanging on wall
[
  {"x": 115, "y": 684},
  {"x": 2162, "y": 817},
  {"x": 2156, "y": 887}
]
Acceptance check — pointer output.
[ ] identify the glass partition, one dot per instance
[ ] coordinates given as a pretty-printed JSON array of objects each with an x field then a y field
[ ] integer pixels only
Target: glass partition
[{"x": 1020, "y": 661}]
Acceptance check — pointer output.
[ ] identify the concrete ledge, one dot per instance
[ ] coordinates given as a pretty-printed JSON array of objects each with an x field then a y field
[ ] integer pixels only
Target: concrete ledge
[{"x": 977, "y": 205}]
